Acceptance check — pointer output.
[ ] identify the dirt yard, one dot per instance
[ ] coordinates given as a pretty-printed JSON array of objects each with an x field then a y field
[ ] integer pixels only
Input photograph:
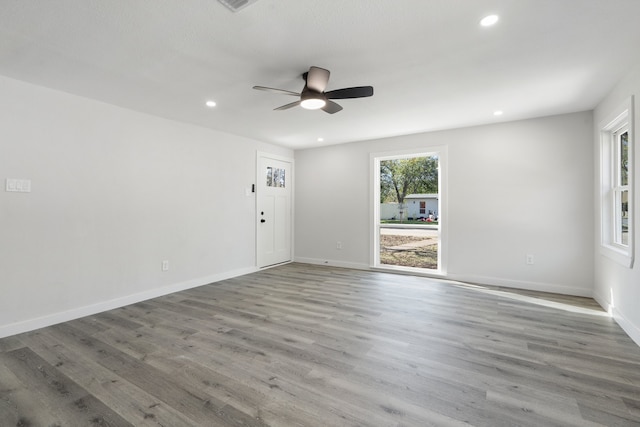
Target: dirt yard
[{"x": 392, "y": 253}]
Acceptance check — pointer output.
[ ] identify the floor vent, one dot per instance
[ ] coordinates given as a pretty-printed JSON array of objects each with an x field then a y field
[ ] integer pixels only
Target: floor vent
[{"x": 236, "y": 5}]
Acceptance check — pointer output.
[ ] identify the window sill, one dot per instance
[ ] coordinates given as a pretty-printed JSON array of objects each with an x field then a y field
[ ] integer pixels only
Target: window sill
[{"x": 622, "y": 257}]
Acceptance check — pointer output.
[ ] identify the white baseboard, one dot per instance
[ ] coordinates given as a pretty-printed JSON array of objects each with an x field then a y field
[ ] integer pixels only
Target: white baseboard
[
  {"x": 75, "y": 313},
  {"x": 629, "y": 327},
  {"x": 332, "y": 263},
  {"x": 28, "y": 325},
  {"x": 521, "y": 284},
  {"x": 489, "y": 281},
  {"x": 632, "y": 330}
]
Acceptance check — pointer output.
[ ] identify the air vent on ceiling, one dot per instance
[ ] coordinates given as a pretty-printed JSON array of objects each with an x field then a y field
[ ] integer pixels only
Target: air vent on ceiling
[{"x": 236, "y": 5}]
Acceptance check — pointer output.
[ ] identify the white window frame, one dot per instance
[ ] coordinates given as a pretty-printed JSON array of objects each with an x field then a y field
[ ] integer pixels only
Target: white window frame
[
  {"x": 374, "y": 173},
  {"x": 611, "y": 189}
]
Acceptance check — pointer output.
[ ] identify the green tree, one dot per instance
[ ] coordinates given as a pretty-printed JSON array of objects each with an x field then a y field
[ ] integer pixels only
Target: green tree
[{"x": 401, "y": 177}]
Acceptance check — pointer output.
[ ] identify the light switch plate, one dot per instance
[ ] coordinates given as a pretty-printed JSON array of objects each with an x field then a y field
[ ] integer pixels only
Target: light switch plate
[{"x": 18, "y": 185}]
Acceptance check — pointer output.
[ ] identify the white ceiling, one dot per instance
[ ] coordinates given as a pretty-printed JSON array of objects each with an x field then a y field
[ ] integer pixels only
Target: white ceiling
[{"x": 430, "y": 62}]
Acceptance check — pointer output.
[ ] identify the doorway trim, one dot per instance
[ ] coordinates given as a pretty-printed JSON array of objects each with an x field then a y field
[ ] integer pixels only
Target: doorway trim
[
  {"x": 291, "y": 183},
  {"x": 374, "y": 227}
]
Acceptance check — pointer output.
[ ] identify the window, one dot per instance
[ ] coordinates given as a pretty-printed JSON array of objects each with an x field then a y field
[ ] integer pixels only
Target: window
[
  {"x": 409, "y": 243},
  {"x": 621, "y": 186},
  {"x": 275, "y": 177},
  {"x": 616, "y": 173}
]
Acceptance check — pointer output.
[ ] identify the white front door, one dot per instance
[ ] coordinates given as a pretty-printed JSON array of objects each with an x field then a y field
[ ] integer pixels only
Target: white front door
[{"x": 275, "y": 182}]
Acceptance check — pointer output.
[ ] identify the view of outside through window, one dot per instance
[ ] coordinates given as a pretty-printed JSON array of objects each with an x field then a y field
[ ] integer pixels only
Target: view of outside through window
[
  {"x": 622, "y": 193},
  {"x": 409, "y": 212}
]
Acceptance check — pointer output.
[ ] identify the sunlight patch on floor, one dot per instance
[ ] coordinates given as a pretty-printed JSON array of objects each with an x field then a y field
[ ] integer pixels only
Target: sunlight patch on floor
[{"x": 533, "y": 300}]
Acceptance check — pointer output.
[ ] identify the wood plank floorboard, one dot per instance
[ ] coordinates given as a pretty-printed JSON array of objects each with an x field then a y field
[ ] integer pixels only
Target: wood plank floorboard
[{"x": 303, "y": 345}]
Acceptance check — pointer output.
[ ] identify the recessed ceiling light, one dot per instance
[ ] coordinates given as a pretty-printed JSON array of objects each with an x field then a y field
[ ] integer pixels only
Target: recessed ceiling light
[
  {"x": 498, "y": 113},
  {"x": 210, "y": 104},
  {"x": 489, "y": 20},
  {"x": 320, "y": 139}
]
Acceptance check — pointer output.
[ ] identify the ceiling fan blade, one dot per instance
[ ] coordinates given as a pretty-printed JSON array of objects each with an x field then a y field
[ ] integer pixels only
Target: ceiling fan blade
[
  {"x": 350, "y": 92},
  {"x": 282, "y": 91},
  {"x": 317, "y": 79},
  {"x": 287, "y": 106},
  {"x": 331, "y": 107}
]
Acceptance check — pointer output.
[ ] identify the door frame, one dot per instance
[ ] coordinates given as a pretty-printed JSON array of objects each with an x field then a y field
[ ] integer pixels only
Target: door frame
[
  {"x": 443, "y": 214},
  {"x": 291, "y": 179}
]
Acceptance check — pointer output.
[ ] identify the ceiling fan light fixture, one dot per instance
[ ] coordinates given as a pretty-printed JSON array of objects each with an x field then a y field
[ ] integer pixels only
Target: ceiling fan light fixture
[
  {"x": 313, "y": 95},
  {"x": 236, "y": 5},
  {"x": 312, "y": 100},
  {"x": 313, "y": 103}
]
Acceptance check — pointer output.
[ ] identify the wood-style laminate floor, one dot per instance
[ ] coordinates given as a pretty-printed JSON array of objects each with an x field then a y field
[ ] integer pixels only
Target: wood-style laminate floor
[{"x": 302, "y": 345}]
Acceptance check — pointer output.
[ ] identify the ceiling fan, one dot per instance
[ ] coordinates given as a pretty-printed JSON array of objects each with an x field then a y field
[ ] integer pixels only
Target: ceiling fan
[{"x": 313, "y": 96}]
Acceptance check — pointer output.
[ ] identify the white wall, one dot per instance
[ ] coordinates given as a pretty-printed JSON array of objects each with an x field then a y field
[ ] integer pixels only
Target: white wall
[
  {"x": 114, "y": 192},
  {"x": 389, "y": 210},
  {"x": 535, "y": 174},
  {"x": 616, "y": 287}
]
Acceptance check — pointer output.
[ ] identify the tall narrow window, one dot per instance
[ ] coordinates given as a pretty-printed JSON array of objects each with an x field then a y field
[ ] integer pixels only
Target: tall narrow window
[
  {"x": 616, "y": 178},
  {"x": 409, "y": 211},
  {"x": 621, "y": 186}
]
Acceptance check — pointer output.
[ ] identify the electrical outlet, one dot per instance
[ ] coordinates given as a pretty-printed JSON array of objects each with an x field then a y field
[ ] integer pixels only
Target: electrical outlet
[
  {"x": 530, "y": 259},
  {"x": 165, "y": 265},
  {"x": 338, "y": 245}
]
